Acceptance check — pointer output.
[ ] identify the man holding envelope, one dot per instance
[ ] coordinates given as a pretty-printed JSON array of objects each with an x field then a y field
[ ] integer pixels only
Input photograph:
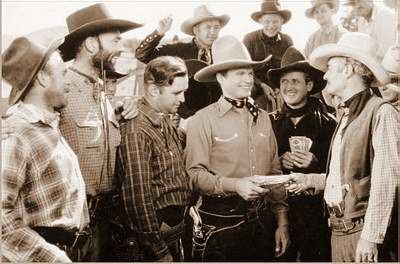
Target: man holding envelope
[{"x": 303, "y": 130}]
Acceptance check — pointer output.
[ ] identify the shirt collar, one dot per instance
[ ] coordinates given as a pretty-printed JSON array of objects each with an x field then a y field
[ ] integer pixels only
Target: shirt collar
[
  {"x": 223, "y": 106},
  {"x": 274, "y": 39},
  {"x": 91, "y": 79},
  {"x": 151, "y": 114},
  {"x": 34, "y": 114}
]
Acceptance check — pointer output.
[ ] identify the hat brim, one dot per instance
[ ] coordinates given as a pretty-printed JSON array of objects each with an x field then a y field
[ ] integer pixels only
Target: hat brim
[
  {"x": 274, "y": 75},
  {"x": 73, "y": 39},
  {"x": 309, "y": 11},
  {"x": 285, "y": 14},
  {"x": 320, "y": 56},
  {"x": 187, "y": 25},
  {"x": 17, "y": 94},
  {"x": 207, "y": 74}
]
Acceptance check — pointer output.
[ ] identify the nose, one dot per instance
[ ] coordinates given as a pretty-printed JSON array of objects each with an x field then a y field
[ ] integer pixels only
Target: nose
[
  {"x": 181, "y": 97},
  {"x": 325, "y": 76}
]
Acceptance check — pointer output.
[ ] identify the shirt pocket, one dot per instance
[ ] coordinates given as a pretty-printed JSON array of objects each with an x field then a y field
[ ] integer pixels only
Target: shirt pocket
[{"x": 90, "y": 134}]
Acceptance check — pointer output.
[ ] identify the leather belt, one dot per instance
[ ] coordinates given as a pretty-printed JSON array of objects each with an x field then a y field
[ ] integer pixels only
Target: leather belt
[
  {"x": 60, "y": 236},
  {"x": 345, "y": 224}
]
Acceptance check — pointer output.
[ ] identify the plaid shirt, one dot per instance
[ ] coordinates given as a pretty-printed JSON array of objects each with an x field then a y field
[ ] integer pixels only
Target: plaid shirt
[
  {"x": 82, "y": 126},
  {"x": 41, "y": 185},
  {"x": 153, "y": 172}
]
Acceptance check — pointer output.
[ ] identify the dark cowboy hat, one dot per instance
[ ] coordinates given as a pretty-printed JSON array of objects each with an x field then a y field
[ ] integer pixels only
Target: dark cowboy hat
[
  {"x": 201, "y": 14},
  {"x": 91, "y": 20},
  {"x": 292, "y": 61},
  {"x": 22, "y": 61},
  {"x": 272, "y": 7}
]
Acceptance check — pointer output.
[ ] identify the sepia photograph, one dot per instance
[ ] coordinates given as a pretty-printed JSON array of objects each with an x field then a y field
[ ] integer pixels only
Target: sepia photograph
[{"x": 200, "y": 131}]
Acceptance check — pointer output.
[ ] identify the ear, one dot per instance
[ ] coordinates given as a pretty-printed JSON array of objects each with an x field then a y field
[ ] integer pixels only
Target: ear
[
  {"x": 91, "y": 45},
  {"x": 219, "y": 77},
  {"x": 195, "y": 30},
  {"x": 153, "y": 90},
  {"x": 310, "y": 85},
  {"x": 43, "y": 79}
]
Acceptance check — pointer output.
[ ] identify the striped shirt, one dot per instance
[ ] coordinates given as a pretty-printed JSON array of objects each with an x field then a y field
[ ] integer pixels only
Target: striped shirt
[
  {"x": 153, "y": 171},
  {"x": 41, "y": 185}
]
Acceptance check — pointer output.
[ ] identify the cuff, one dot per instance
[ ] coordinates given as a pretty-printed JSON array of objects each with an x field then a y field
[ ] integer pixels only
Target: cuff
[
  {"x": 281, "y": 218},
  {"x": 373, "y": 237},
  {"x": 158, "y": 246}
]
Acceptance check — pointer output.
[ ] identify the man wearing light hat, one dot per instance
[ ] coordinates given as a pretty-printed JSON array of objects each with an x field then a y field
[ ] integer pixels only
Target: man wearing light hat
[
  {"x": 228, "y": 143},
  {"x": 322, "y": 11},
  {"x": 391, "y": 63},
  {"x": 88, "y": 122},
  {"x": 43, "y": 201},
  {"x": 264, "y": 42},
  {"x": 204, "y": 26},
  {"x": 362, "y": 171}
]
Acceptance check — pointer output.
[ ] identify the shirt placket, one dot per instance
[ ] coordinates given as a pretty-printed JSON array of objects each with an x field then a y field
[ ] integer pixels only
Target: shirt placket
[{"x": 251, "y": 147}]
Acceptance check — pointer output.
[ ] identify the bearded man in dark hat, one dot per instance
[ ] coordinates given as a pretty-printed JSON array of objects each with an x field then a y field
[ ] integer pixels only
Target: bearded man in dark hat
[
  {"x": 303, "y": 130},
  {"x": 89, "y": 123}
]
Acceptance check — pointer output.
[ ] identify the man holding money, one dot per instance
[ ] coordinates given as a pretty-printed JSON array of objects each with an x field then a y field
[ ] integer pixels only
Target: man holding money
[
  {"x": 303, "y": 130},
  {"x": 228, "y": 143}
]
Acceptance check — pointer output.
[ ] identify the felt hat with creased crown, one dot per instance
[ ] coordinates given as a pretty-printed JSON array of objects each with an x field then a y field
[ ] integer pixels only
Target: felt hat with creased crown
[
  {"x": 293, "y": 61},
  {"x": 272, "y": 7},
  {"x": 22, "y": 61},
  {"x": 356, "y": 45},
  {"x": 228, "y": 53},
  {"x": 334, "y": 4},
  {"x": 201, "y": 14},
  {"x": 88, "y": 21}
]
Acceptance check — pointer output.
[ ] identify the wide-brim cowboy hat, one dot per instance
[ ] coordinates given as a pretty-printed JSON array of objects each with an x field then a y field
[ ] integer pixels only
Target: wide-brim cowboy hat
[
  {"x": 22, "y": 61},
  {"x": 334, "y": 4},
  {"x": 391, "y": 62},
  {"x": 356, "y": 45},
  {"x": 201, "y": 14},
  {"x": 91, "y": 20},
  {"x": 272, "y": 7},
  {"x": 228, "y": 53},
  {"x": 293, "y": 61}
]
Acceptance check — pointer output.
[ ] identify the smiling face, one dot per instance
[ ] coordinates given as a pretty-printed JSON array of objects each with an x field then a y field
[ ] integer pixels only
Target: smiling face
[
  {"x": 323, "y": 14},
  {"x": 236, "y": 83},
  {"x": 272, "y": 24},
  {"x": 295, "y": 88}
]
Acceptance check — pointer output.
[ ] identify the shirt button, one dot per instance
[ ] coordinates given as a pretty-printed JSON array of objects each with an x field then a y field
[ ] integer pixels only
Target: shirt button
[
  {"x": 254, "y": 167},
  {"x": 251, "y": 150}
]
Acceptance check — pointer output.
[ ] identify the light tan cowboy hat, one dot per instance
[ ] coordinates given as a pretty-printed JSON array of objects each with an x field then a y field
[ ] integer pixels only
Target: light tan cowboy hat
[
  {"x": 201, "y": 14},
  {"x": 292, "y": 61},
  {"x": 334, "y": 4},
  {"x": 356, "y": 45},
  {"x": 228, "y": 53},
  {"x": 22, "y": 61},
  {"x": 272, "y": 7},
  {"x": 91, "y": 20}
]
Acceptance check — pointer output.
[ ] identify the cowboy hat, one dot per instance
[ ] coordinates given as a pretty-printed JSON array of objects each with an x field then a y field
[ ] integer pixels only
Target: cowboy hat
[
  {"x": 391, "y": 62},
  {"x": 316, "y": 3},
  {"x": 88, "y": 21},
  {"x": 22, "y": 61},
  {"x": 272, "y": 7},
  {"x": 356, "y": 45},
  {"x": 292, "y": 61},
  {"x": 201, "y": 14},
  {"x": 228, "y": 53}
]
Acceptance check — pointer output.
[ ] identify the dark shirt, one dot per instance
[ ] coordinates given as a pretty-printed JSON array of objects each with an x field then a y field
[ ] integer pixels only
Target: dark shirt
[
  {"x": 199, "y": 95},
  {"x": 315, "y": 124},
  {"x": 153, "y": 172},
  {"x": 261, "y": 46}
]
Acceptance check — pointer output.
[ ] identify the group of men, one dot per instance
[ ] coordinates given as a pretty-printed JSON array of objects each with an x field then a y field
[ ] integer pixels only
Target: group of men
[{"x": 86, "y": 177}]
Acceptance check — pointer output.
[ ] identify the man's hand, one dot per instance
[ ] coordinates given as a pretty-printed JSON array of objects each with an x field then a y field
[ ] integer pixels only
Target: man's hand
[
  {"x": 298, "y": 183},
  {"x": 166, "y": 258},
  {"x": 287, "y": 160},
  {"x": 164, "y": 25},
  {"x": 281, "y": 240},
  {"x": 128, "y": 105},
  {"x": 249, "y": 190},
  {"x": 366, "y": 251},
  {"x": 303, "y": 159}
]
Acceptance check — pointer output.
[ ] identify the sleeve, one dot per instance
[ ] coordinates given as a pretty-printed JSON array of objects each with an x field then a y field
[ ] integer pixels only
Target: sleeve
[
  {"x": 136, "y": 151},
  {"x": 19, "y": 242},
  {"x": 149, "y": 48},
  {"x": 198, "y": 148},
  {"x": 308, "y": 47},
  {"x": 385, "y": 173}
]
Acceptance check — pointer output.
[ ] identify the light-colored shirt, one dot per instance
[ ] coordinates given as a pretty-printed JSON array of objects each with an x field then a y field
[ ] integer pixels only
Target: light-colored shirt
[
  {"x": 223, "y": 141},
  {"x": 322, "y": 36},
  {"x": 41, "y": 185},
  {"x": 384, "y": 175}
]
